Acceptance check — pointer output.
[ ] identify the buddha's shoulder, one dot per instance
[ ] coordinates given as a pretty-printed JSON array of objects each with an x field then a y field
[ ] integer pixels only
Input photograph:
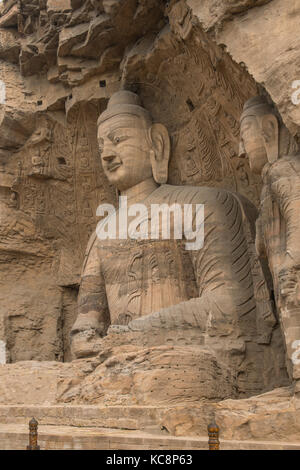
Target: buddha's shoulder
[
  {"x": 287, "y": 166},
  {"x": 170, "y": 194}
]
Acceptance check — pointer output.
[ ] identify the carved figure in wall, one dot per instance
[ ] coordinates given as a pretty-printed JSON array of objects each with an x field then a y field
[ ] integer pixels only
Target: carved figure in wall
[
  {"x": 199, "y": 160},
  {"x": 38, "y": 166},
  {"x": 273, "y": 153},
  {"x": 180, "y": 19},
  {"x": 13, "y": 200},
  {"x": 39, "y": 149},
  {"x": 144, "y": 286},
  {"x": 7, "y": 194}
]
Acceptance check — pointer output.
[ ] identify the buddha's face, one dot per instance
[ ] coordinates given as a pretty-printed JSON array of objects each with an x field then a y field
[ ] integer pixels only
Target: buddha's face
[
  {"x": 125, "y": 151},
  {"x": 254, "y": 145}
]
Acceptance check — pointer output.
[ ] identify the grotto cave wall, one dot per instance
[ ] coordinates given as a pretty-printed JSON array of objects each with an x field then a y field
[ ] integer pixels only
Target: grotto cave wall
[{"x": 193, "y": 65}]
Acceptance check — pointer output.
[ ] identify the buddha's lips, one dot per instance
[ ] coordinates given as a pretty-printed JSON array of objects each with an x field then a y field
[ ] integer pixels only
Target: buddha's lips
[{"x": 113, "y": 167}]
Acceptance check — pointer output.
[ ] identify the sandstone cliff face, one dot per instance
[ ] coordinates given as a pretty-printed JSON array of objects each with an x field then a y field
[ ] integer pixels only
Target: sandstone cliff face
[
  {"x": 60, "y": 60},
  {"x": 264, "y": 40}
]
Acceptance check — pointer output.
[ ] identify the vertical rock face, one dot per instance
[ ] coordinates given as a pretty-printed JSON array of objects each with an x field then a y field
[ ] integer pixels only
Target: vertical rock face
[
  {"x": 60, "y": 61},
  {"x": 265, "y": 40},
  {"x": 50, "y": 186}
]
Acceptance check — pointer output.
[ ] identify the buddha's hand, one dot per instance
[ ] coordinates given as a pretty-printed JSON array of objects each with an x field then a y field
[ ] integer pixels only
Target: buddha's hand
[
  {"x": 85, "y": 339},
  {"x": 188, "y": 314}
]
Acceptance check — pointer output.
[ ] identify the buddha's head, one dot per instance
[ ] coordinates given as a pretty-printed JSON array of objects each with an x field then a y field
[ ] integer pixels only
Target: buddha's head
[
  {"x": 132, "y": 148},
  {"x": 259, "y": 134}
]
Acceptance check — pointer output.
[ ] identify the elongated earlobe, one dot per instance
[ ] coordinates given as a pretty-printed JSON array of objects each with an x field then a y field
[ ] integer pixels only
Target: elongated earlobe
[
  {"x": 160, "y": 152},
  {"x": 242, "y": 151},
  {"x": 270, "y": 132}
]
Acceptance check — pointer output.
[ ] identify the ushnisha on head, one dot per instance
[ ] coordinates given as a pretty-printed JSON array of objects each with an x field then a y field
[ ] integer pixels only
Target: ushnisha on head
[
  {"x": 259, "y": 133},
  {"x": 132, "y": 147}
]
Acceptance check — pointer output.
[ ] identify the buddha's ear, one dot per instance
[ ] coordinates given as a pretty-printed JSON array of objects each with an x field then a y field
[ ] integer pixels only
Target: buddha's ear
[
  {"x": 242, "y": 150},
  {"x": 270, "y": 133},
  {"x": 160, "y": 152}
]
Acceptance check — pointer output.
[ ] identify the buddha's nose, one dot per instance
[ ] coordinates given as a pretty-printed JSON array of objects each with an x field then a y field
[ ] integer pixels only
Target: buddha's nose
[{"x": 108, "y": 155}]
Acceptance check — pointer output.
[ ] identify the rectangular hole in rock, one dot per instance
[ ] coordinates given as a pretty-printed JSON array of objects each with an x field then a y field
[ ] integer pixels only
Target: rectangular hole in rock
[{"x": 190, "y": 104}]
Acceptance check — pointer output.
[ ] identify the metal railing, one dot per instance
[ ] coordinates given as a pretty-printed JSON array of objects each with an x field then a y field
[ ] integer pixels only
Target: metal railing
[
  {"x": 212, "y": 429},
  {"x": 33, "y": 435}
]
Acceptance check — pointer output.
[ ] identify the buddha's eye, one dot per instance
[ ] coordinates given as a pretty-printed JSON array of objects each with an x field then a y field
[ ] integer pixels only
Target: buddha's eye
[{"x": 117, "y": 140}]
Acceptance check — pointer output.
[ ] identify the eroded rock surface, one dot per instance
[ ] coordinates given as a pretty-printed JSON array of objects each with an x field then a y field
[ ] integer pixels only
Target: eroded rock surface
[
  {"x": 194, "y": 66},
  {"x": 54, "y": 390}
]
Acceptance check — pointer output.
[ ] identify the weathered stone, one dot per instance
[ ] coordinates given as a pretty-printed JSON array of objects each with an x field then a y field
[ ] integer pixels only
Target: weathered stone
[
  {"x": 9, "y": 46},
  {"x": 212, "y": 13},
  {"x": 273, "y": 154},
  {"x": 193, "y": 65},
  {"x": 252, "y": 39},
  {"x": 272, "y": 415},
  {"x": 58, "y": 6},
  {"x": 70, "y": 36},
  {"x": 10, "y": 18}
]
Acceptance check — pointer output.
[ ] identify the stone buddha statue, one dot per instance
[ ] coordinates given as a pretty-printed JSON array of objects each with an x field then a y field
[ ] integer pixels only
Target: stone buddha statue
[
  {"x": 151, "y": 292},
  {"x": 273, "y": 153}
]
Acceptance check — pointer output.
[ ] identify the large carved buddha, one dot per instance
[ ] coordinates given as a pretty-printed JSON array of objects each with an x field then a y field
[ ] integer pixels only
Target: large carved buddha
[
  {"x": 274, "y": 154},
  {"x": 155, "y": 292}
]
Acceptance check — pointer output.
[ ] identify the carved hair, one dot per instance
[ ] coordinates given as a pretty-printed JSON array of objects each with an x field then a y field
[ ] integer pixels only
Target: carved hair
[{"x": 125, "y": 102}]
